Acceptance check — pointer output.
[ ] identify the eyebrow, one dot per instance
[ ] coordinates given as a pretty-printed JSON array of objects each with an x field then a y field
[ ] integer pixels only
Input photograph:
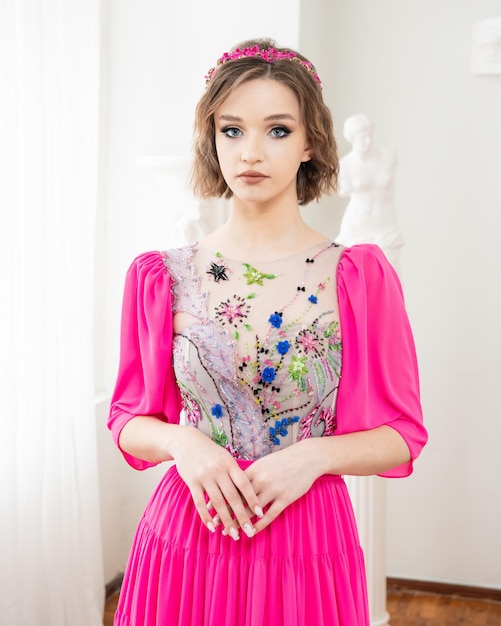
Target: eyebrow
[{"x": 269, "y": 118}]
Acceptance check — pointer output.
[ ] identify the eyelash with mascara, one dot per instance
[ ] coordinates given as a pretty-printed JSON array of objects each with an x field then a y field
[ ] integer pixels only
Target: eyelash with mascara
[{"x": 286, "y": 131}]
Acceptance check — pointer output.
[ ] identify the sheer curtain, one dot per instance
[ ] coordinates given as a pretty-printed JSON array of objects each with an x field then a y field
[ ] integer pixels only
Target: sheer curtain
[{"x": 50, "y": 545}]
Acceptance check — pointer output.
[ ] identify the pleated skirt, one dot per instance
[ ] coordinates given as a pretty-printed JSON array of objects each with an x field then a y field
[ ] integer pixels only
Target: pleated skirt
[{"x": 305, "y": 569}]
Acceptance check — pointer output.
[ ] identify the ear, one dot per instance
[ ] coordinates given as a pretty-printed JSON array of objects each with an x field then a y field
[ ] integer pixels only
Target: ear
[{"x": 307, "y": 152}]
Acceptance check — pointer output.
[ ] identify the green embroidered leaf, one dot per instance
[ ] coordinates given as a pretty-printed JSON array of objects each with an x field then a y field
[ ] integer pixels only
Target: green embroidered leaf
[
  {"x": 219, "y": 436},
  {"x": 254, "y": 276},
  {"x": 219, "y": 255},
  {"x": 251, "y": 296},
  {"x": 297, "y": 367},
  {"x": 247, "y": 326},
  {"x": 236, "y": 335},
  {"x": 330, "y": 330}
]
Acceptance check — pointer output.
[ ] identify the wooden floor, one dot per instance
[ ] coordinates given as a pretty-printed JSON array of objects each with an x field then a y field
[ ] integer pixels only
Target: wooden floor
[
  {"x": 415, "y": 608},
  {"x": 412, "y": 608}
]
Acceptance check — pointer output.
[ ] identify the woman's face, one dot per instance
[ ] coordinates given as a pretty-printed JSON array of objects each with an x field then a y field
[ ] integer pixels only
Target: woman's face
[{"x": 261, "y": 142}]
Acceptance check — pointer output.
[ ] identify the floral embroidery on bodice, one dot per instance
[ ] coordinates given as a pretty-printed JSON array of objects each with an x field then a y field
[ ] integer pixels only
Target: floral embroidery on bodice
[{"x": 257, "y": 346}]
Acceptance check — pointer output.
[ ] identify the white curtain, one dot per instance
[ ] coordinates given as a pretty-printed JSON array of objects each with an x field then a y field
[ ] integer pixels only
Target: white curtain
[{"x": 50, "y": 544}]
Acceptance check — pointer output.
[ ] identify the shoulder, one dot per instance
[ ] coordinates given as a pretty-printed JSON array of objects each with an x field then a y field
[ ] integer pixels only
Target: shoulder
[
  {"x": 164, "y": 266},
  {"x": 366, "y": 264},
  {"x": 160, "y": 261},
  {"x": 148, "y": 264},
  {"x": 148, "y": 272},
  {"x": 364, "y": 255}
]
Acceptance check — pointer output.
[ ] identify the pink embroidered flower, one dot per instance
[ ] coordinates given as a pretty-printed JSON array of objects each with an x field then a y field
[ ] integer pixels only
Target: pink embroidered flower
[
  {"x": 233, "y": 311},
  {"x": 232, "y": 451},
  {"x": 335, "y": 341},
  {"x": 191, "y": 408},
  {"x": 310, "y": 422},
  {"x": 307, "y": 341}
]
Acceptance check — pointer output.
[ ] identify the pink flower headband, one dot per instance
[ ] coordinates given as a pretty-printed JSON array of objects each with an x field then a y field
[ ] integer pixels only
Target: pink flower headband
[{"x": 270, "y": 55}]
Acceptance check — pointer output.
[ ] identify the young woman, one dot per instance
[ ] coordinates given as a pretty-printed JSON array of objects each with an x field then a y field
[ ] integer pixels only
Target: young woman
[{"x": 292, "y": 358}]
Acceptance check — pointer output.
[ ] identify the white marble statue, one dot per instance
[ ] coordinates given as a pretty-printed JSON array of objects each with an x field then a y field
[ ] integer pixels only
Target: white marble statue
[
  {"x": 486, "y": 47},
  {"x": 367, "y": 176}
]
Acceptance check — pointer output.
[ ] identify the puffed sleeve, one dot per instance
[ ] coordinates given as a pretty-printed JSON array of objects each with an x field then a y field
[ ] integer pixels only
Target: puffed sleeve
[
  {"x": 379, "y": 377},
  {"x": 146, "y": 383}
]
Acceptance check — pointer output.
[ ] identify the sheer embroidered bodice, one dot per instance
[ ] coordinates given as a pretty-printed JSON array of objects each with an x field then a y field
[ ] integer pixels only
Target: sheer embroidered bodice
[{"x": 257, "y": 346}]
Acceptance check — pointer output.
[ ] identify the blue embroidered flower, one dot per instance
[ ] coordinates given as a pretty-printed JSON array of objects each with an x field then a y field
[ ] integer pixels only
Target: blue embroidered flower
[
  {"x": 281, "y": 428},
  {"x": 217, "y": 411},
  {"x": 275, "y": 320},
  {"x": 268, "y": 374},
  {"x": 313, "y": 299},
  {"x": 283, "y": 347}
]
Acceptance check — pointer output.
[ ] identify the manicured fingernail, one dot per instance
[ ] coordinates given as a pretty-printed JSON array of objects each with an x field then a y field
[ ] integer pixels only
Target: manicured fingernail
[
  {"x": 211, "y": 527},
  {"x": 216, "y": 521},
  {"x": 249, "y": 531},
  {"x": 258, "y": 511},
  {"x": 234, "y": 534},
  {"x": 209, "y": 505},
  {"x": 224, "y": 532}
]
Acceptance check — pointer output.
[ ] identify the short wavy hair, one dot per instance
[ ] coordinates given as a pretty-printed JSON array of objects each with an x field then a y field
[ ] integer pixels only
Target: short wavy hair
[{"x": 315, "y": 177}]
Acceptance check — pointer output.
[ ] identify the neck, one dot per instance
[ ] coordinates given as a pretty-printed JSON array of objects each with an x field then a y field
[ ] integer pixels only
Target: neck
[{"x": 262, "y": 233}]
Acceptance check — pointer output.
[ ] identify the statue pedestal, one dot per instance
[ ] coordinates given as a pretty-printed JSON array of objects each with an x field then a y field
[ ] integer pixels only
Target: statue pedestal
[{"x": 368, "y": 494}]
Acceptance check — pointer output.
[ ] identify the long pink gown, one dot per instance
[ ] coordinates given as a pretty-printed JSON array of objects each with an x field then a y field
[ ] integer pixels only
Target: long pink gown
[{"x": 259, "y": 355}]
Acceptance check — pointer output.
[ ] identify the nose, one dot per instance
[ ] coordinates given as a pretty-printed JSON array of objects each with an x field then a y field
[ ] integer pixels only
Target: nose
[{"x": 252, "y": 150}]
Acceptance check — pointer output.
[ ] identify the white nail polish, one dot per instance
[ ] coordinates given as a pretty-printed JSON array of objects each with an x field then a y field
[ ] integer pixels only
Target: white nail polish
[
  {"x": 249, "y": 531},
  {"x": 211, "y": 527},
  {"x": 234, "y": 534},
  {"x": 258, "y": 511}
]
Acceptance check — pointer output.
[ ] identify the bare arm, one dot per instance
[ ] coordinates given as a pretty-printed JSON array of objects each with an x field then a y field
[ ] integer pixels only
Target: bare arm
[
  {"x": 358, "y": 454},
  {"x": 147, "y": 438},
  {"x": 209, "y": 471},
  {"x": 362, "y": 453}
]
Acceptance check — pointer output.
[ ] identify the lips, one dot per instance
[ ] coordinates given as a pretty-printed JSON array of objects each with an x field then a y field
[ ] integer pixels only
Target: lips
[{"x": 252, "y": 177}]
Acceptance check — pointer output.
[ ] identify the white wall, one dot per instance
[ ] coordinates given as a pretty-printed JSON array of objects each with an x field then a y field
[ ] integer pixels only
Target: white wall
[{"x": 405, "y": 65}]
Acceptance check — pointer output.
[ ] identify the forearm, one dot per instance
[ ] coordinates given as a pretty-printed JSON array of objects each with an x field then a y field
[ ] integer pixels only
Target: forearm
[
  {"x": 362, "y": 453},
  {"x": 148, "y": 438}
]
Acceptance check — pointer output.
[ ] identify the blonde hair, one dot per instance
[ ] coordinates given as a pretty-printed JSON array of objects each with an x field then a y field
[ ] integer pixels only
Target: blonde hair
[{"x": 315, "y": 177}]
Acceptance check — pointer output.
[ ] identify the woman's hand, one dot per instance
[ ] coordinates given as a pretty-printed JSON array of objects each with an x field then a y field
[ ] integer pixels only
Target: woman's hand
[
  {"x": 206, "y": 468},
  {"x": 280, "y": 478}
]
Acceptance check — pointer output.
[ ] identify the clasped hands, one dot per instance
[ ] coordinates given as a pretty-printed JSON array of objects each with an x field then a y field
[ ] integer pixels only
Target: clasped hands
[{"x": 238, "y": 499}]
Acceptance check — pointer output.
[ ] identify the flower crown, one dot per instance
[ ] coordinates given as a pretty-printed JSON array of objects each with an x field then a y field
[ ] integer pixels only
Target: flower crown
[{"x": 270, "y": 55}]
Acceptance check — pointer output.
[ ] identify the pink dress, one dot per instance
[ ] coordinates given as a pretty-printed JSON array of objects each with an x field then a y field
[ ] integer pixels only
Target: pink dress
[{"x": 252, "y": 355}]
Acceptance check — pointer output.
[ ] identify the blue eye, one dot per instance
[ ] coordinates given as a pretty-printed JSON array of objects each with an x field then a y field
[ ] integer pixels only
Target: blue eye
[
  {"x": 279, "y": 132},
  {"x": 231, "y": 131}
]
